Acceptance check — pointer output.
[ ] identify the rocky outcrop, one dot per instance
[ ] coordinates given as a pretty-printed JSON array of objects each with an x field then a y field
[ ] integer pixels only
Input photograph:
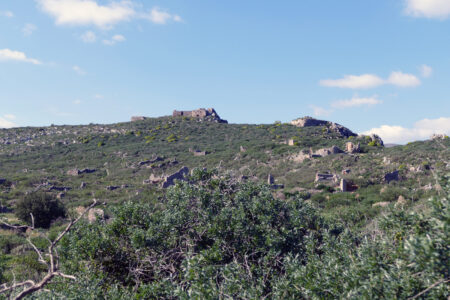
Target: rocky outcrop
[
  {"x": 150, "y": 161},
  {"x": 376, "y": 139},
  {"x": 309, "y": 122},
  {"x": 439, "y": 137},
  {"x": 201, "y": 113},
  {"x": 138, "y": 118},
  {"x": 352, "y": 148},
  {"x": 180, "y": 175}
]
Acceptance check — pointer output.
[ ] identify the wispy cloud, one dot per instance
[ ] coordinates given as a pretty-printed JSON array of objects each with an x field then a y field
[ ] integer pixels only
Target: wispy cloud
[
  {"x": 426, "y": 71},
  {"x": 432, "y": 9},
  {"x": 6, "y": 13},
  {"x": 77, "y": 102},
  {"x": 364, "y": 81},
  {"x": 356, "y": 102},
  {"x": 403, "y": 80},
  {"x": 88, "y": 37},
  {"x": 118, "y": 38},
  {"x": 421, "y": 130},
  {"x": 98, "y": 96},
  {"x": 367, "y": 81},
  {"x": 28, "y": 29},
  {"x": 78, "y": 70},
  {"x": 161, "y": 17},
  {"x": 6, "y": 121},
  {"x": 11, "y": 55}
]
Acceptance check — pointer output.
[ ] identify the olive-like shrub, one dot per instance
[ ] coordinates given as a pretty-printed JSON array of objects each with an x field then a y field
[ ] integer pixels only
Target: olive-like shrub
[
  {"x": 42, "y": 208},
  {"x": 214, "y": 238}
]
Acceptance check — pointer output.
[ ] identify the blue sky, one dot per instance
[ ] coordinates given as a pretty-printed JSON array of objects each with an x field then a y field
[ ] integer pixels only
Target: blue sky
[{"x": 374, "y": 66}]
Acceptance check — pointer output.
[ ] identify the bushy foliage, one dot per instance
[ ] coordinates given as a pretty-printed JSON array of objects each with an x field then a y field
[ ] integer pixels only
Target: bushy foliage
[
  {"x": 42, "y": 206},
  {"x": 218, "y": 239},
  {"x": 206, "y": 240}
]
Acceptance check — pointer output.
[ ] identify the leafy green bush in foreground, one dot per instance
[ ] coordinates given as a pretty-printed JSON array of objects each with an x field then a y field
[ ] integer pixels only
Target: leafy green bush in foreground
[{"x": 215, "y": 239}]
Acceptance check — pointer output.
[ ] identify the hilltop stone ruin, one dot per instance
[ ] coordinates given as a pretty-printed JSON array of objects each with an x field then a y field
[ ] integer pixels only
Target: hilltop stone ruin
[{"x": 200, "y": 113}]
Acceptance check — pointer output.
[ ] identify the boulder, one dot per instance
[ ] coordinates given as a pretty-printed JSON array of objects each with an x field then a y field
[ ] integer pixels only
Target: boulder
[
  {"x": 180, "y": 175},
  {"x": 270, "y": 179},
  {"x": 352, "y": 148},
  {"x": 300, "y": 157},
  {"x": 401, "y": 201},
  {"x": 199, "y": 153},
  {"x": 112, "y": 187},
  {"x": 73, "y": 172},
  {"x": 343, "y": 185},
  {"x": 242, "y": 149},
  {"x": 393, "y": 176},
  {"x": 92, "y": 215},
  {"x": 381, "y": 204}
]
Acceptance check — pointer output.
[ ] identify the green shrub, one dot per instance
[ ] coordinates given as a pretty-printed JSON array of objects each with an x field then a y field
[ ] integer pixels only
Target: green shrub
[
  {"x": 42, "y": 206},
  {"x": 203, "y": 240}
]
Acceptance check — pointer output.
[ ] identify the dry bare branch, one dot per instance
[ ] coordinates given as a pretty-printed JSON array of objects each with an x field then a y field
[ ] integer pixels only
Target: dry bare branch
[{"x": 53, "y": 264}]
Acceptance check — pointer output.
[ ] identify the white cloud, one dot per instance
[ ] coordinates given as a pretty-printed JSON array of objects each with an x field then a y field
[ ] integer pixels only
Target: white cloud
[
  {"x": 159, "y": 16},
  {"x": 433, "y": 9},
  {"x": 356, "y": 102},
  {"x": 77, "y": 102},
  {"x": 89, "y": 37},
  {"x": 421, "y": 130},
  {"x": 88, "y": 12},
  {"x": 98, "y": 96},
  {"x": 367, "y": 81},
  {"x": 403, "y": 80},
  {"x": 319, "y": 111},
  {"x": 10, "y": 55},
  {"x": 426, "y": 71},
  {"x": 354, "y": 81},
  {"x": 6, "y": 13},
  {"x": 78, "y": 70},
  {"x": 118, "y": 38},
  {"x": 5, "y": 121},
  {"x": 28, "y": 29}
]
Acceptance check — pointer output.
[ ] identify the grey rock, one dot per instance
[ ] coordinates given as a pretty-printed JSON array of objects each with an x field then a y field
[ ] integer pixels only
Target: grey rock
[
  {"x": 180, "y": 175},
  {"x": 393, "y": 176}
]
